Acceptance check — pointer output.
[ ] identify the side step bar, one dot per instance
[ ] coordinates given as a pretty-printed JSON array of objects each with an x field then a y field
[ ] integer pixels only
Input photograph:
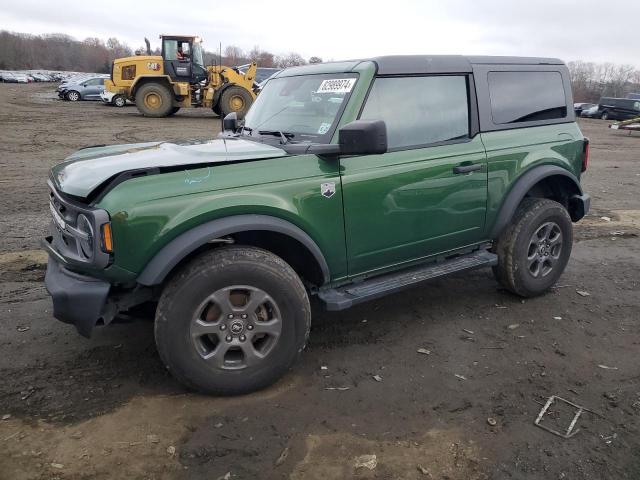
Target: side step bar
[{"x": 349, "y": 295}]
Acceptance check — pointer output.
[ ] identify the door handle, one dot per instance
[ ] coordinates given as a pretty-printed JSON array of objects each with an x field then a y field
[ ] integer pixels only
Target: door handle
[{"x": 467, "y": 168}]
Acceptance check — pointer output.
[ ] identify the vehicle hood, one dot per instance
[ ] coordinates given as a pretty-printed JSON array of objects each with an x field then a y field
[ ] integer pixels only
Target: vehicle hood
[{"x": 85, "y": 170}]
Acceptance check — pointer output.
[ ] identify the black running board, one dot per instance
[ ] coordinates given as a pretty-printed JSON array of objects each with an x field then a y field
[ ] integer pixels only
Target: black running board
[{"x": 352, "y": 294}]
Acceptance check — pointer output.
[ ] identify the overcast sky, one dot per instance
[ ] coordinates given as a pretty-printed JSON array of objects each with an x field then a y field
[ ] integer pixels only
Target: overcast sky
[{"x": 591, "y": 30}]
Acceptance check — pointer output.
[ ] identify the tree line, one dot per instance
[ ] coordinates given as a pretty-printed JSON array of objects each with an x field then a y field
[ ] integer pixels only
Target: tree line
[
  {"x": 57, "y": 51},
  {"x": 590, "y": 81}
]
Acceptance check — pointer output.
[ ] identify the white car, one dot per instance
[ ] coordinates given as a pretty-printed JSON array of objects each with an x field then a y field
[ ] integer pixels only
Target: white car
[
  {"x": 111, "y": 98},
  {"x": 21, "y": 77}
]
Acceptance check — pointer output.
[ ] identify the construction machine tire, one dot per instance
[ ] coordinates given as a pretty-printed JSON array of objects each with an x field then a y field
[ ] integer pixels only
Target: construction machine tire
[
  {"x": 173, "y": 111},
  {"x": 235, "y": 99},
  {"x": 154, "y": 100}
]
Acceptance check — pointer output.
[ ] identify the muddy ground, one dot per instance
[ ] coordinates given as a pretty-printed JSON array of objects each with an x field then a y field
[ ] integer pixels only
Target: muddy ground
[{"x": 73, "y": 408}]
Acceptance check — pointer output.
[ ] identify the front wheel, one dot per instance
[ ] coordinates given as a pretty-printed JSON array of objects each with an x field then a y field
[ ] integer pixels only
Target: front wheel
[
  {"x": 534, "y": 249},
  {"x": 232, "y": 321},
  {"x": 605, "y": 115},
  {"x": 73, "y": 96}
]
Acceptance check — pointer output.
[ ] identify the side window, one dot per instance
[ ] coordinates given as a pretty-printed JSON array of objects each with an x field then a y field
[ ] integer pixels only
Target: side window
[
  {"x": 526, "y": 96},
  {"x": 419, "y": 110}
]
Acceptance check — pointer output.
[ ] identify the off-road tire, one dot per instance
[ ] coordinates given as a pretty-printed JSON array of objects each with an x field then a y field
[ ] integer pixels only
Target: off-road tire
[
  {"x": 514, "y": 244},
  {"x": 73, "y": 96},
  {"x": 150, "y": 93},
  {"x": 210, "y": 272},
  {"x": 231, "y": 98}
]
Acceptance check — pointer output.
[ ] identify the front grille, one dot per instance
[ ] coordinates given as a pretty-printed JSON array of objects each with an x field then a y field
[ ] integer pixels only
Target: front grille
[{"x": 64, "y": 231}]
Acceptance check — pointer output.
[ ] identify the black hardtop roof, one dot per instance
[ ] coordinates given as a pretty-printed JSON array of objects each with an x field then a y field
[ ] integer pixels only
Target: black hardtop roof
[{"x": 417, "y": 64}]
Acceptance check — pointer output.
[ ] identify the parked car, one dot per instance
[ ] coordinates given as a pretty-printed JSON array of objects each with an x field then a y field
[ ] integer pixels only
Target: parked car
[
  {"x": 8, "y": 77},
  {"x": 114, "y": 99},
  {"x": 579, "y": 107},
  {"x": 85, "y": 88},
  {"x": 618, "y": 108},
  {"x": 591, "y": 112},
  {"x": 347, "y": 181},
  {"x": 21, "y": 78},
  {"x": 263, "y": 73}
]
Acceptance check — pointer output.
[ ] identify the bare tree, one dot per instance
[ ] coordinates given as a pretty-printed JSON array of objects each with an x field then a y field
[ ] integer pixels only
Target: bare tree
[
  {"x": 313, "y": 60},
  {"x": 292, "y": 59},
  {"x": 590, "y": 81},
  {"x": 233, "y": 54}
]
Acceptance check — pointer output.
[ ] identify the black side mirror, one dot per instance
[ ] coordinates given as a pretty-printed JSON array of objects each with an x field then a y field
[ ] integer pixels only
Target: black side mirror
[
  {"x": 230, "y": 122},
  {"x": 363, "y": 137}
]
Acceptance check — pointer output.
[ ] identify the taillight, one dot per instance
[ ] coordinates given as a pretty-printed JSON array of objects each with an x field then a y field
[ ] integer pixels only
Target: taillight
[{"x": 585, "y": 155}]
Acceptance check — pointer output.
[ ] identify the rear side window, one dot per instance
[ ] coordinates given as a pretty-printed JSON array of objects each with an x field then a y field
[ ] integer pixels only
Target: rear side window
[
  {"x": 526, "y": 96},
  {"x": 420, "y": 110}
]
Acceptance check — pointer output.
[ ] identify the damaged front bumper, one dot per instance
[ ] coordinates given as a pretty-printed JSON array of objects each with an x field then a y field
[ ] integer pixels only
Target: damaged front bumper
[{"x": 77, "y": 299}]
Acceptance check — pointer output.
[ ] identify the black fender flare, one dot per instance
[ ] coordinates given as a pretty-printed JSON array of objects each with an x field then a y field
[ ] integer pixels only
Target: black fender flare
[
  {"x": 523, "y": 184},
  {"x": 177, "y": 249}
]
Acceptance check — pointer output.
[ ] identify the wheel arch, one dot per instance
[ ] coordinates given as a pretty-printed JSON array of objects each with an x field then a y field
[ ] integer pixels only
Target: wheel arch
[
  {"x": 279, "y": 236},
  {"x": 546, "y": 181},
  {"x": 144, "y": 79}
]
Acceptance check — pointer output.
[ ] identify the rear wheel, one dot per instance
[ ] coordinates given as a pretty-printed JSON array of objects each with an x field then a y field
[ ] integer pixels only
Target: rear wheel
[
  {"x": 534, "y": 249},
  {"x": 72, "y": 96},
  {"x": 119, "y": 101},
  {"x": 232, "y": 321},
  {"x": 154, "y": 100},
  {"x": 235, "y": 99}
]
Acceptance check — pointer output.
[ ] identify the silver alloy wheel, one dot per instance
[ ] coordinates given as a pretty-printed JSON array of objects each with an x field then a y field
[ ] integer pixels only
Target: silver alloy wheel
[
  {"x": 73, "y": 96},
  {"x": 545, "y": 247},
  {"x": 236, "y": 327},
  {"x": 119, "y": 101}
]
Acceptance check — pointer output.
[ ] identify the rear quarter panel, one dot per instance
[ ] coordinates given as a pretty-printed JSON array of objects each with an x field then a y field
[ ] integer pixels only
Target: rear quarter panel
[{"x": 511, "y": 153}]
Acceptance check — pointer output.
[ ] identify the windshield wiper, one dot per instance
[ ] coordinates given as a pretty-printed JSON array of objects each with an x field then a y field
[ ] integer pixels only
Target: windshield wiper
[{"x": 284, "y": 136}]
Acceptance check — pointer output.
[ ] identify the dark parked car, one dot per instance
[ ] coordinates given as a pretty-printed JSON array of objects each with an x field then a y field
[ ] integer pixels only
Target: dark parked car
[
  {"x": 618, "y": 108},
  {"x": 592, "y": 112},
  {"x": 580, "y": 107}
]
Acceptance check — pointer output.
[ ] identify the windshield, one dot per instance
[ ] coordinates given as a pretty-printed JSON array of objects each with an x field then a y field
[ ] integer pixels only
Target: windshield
[
  {"x": 197, "y": 54},
  {"x": 307, "y": 106}
]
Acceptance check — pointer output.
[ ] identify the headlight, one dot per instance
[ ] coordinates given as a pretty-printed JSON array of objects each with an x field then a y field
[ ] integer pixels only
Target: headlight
[{"x": 85, "y": 242}]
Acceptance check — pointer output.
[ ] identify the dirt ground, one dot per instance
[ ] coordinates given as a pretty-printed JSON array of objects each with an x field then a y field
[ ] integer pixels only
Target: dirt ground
[{"x": 72, "y": 408}]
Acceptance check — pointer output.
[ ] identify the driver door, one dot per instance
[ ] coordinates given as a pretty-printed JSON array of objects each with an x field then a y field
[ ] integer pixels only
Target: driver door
[
  {"x": 179, "y": 70},
  {"x": 427, "y": 195}
]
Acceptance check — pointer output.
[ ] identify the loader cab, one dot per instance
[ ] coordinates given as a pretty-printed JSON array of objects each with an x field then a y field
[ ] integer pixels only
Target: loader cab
[{"x": 183, "y": 58}]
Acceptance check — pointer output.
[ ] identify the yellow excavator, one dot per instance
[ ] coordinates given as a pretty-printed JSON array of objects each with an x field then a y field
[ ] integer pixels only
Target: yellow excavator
[{"x": 162, "y": 85}]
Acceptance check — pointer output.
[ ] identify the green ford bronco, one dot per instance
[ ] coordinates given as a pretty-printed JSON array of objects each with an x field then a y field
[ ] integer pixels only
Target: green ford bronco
[{"x": 346, "y": 180}]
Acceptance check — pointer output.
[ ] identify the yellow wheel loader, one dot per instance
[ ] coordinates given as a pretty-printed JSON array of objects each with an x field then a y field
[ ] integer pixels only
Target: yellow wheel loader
[{"x": 161, "y": 85}]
